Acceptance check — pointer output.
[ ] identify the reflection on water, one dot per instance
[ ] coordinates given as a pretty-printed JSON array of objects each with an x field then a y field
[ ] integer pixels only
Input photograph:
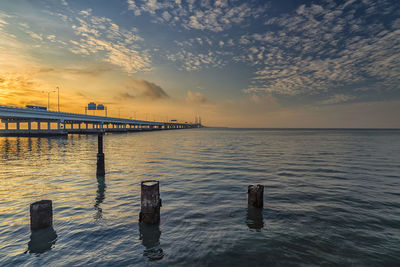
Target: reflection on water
[
  {"x": 100, "y": 196},
  {"x": 24, "y": 147},
  {"x": 42, "y": 240},
  {"x": 254, "y": 218},
  {"x": 18, "y": 146},
  {"x": 6, "y": 148},
  {"x": 150, "y": 235},
  {"x": 29, "y": 144}
]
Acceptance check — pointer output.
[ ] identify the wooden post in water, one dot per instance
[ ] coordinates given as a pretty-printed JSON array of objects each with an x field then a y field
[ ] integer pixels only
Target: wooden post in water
[
  {"x": 41, "y": 214},
  {"x": 150, "y": 202},
  {"x": 256, "y": 195},
  {"x": 100, "y": 156}
]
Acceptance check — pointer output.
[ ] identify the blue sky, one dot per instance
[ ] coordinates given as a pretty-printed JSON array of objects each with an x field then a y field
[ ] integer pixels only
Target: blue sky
[{"x": 236, "y": 63}]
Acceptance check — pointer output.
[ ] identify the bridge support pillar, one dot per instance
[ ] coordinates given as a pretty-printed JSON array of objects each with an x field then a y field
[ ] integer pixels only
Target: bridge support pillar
[
  {"x": 48, "y": 125},
  {"x": 17, "y": 125},
  {"x": 79, "y": 126},
  {"x": 6, "y": 125},
  {"x": 72, "y": 125},
  {"x": 87, "y": 125},
  {"x": 38, "y": 125},
  {"x": 29, "y": 125},
  {"x": 58, "y": 125}
]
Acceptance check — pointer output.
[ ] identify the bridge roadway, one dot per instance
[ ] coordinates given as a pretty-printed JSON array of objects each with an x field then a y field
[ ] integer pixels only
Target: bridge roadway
[{"x": 30, "y": 122}]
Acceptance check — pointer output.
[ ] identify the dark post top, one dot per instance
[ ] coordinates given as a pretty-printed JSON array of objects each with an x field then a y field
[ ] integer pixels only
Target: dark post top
[{"x": 41, "y": 214}]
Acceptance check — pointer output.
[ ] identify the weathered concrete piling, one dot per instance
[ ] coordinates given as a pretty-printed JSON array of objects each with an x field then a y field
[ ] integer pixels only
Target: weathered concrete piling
[
  {"x": 256, "y": 195},
  {"x": 41, "y": 214},
  {"x": 150, "y": 202},
  {"x": 100, "y": 156}
]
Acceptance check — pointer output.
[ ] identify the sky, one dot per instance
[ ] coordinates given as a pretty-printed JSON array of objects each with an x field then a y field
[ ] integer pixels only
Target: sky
[{"x": 235, "y": 63}]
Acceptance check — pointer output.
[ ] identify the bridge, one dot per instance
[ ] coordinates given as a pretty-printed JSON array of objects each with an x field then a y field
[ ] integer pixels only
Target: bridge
[{"x": 34, "y": 122}]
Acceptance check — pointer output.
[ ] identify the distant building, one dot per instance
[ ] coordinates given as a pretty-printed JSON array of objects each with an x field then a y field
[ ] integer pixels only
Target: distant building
[{"x": 91, "y": 106}]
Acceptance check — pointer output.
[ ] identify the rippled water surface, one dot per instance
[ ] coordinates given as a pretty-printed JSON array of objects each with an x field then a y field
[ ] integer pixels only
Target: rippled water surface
[{"x": 331, "y": 197}]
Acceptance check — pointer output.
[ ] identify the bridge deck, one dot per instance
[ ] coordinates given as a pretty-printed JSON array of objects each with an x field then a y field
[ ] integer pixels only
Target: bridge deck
[{"x": 23, "y": 119}]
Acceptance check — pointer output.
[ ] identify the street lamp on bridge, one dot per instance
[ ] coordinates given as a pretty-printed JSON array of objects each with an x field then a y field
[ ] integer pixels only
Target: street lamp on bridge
[
  {"x": 58, "y": 96},
  {"x": 48, "y": 98}
]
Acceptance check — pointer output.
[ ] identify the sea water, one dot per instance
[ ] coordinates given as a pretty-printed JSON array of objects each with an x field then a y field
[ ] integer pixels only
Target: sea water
[{"x": 331, "y": 197}]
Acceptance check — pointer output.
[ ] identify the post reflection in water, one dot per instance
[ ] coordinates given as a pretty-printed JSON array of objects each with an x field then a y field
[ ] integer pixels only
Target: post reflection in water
[
  {"x": 18, "y": 146},
  {"x": 150, "y": 235},
  {"x": 42, "y": 240},
  {"x": 6, "y": 148},
  {"x": 29, "y": 144},
  {"x": 100, "y": 196},
  {"x": 49, "y": 144},
  {"x": 254, "y": 218}
]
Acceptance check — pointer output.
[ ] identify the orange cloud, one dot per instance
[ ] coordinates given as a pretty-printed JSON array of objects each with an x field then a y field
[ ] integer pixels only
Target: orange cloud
[{"x": 195, "y": 97}]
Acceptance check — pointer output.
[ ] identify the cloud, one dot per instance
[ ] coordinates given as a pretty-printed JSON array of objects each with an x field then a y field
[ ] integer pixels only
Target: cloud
[
  {"x": 264, "y": 99},
  {"x": 192, "y": 61},
  {"x": 101, "y": 37},
  {"x": 337, "y": 98},
  {"x": 203, "y": 15},
  {"x": 89, "y": 71},
  {"x": 139, "y": 88},
  {"x": 126, "y": 95},
  {"x": 2, "y": 22},
  {"x": 17, "y": 89},
  {"x": 196, "y": 97},
  {"x": 319, "y": 48},
  {"x": 51, "y": 38}
]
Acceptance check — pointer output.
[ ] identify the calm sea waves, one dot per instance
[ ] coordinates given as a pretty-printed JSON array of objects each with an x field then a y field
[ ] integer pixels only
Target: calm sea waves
[{"x": 332, "y": 197}]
